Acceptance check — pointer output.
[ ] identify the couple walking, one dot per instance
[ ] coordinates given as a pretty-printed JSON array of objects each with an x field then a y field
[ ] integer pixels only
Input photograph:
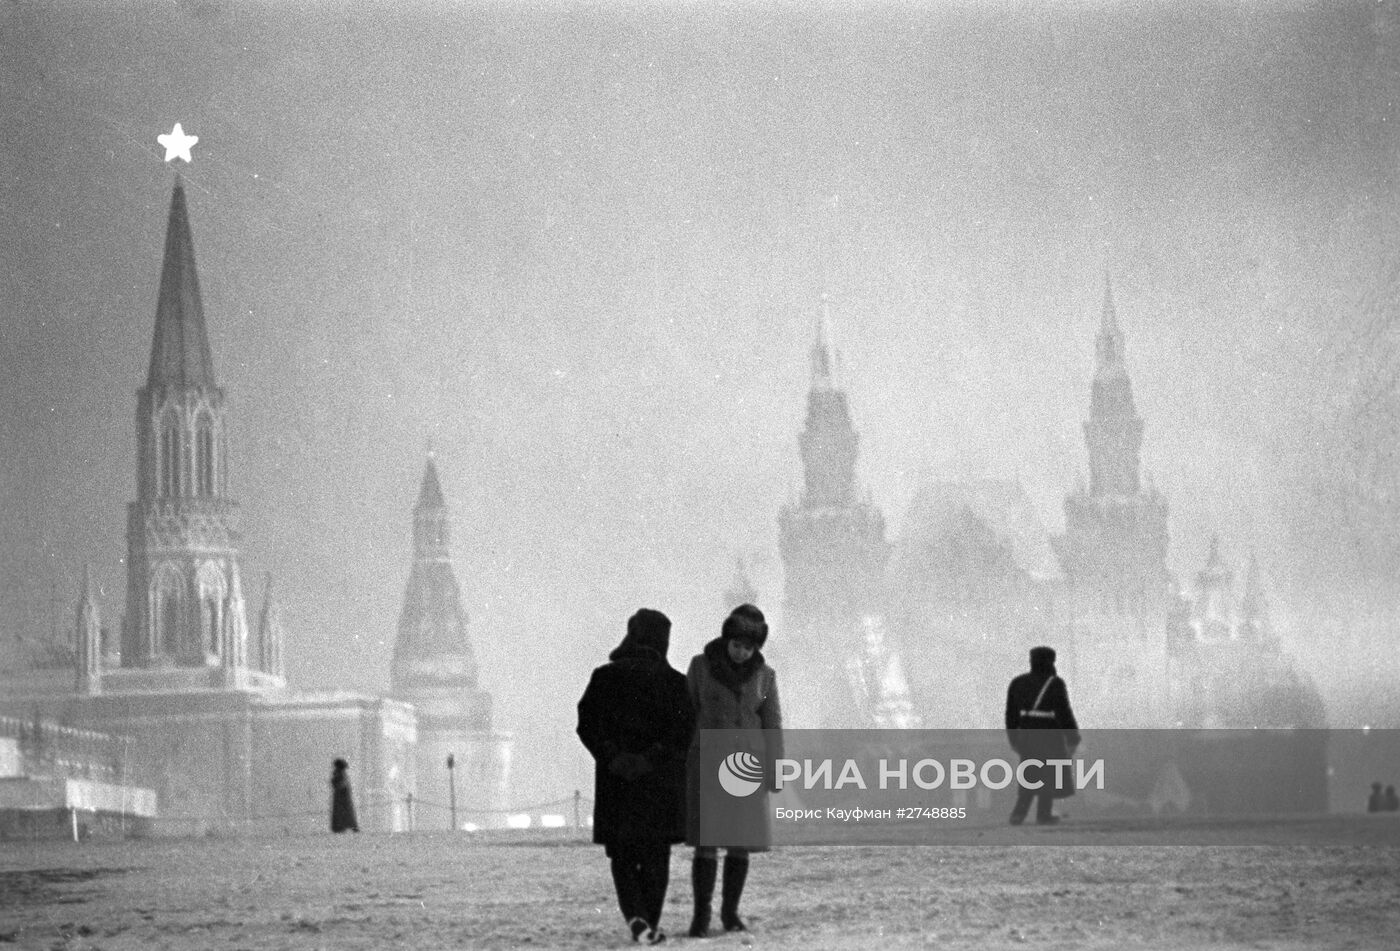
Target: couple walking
[{"x": 640, "y": 719}]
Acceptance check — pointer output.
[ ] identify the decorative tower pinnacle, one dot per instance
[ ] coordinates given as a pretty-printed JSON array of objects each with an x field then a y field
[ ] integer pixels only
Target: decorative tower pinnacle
[
  {"x": 271, "y": 638},
  {"x": 741, "y": 589},
  {"x": 233, "y": 652},
  {"x": 1215, "y": 611},
  {"x": 88, "y": 655}
]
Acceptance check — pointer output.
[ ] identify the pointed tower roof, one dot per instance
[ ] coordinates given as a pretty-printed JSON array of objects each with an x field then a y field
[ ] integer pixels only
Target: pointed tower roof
[
  {"x": 180, "y": 353},
  {"x": 430, "y": 494}
]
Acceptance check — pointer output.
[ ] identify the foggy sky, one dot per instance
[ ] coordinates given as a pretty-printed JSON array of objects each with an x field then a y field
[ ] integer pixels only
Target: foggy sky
[{"x": 581, "y": 250}]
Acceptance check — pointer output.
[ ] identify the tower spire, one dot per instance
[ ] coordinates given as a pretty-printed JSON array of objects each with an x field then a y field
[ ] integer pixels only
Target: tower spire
[
  {"x": 1109, "y": 353},
  {"x": 180, "y": 353},
  {"x": 823, "y": 358}
]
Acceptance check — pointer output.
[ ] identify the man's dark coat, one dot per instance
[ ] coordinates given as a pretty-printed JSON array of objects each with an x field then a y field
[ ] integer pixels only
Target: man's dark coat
[{"x": 636, "y": 719}]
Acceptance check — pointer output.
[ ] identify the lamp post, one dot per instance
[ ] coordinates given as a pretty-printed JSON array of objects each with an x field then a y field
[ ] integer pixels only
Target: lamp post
[{"x": 452, "y": 789}]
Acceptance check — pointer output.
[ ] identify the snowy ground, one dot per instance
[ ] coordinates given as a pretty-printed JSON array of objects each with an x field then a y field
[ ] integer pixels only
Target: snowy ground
[{"x": 1335, "y": 884}]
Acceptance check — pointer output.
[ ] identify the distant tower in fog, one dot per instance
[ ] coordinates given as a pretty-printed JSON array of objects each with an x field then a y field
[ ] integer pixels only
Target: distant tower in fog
[
  {"x": 184, "y": 601},
  {"x": 435, "y": 669},
  {"x": 1114, "y": 550},
  {"x": 833, "y": 549}
]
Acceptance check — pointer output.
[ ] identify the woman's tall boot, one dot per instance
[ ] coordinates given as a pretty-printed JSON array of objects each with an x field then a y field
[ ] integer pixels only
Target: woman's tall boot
[{"x": 736, "y": 869}]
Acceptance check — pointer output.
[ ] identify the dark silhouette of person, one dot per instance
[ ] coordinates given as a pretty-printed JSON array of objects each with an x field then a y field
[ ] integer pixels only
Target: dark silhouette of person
[
  {"x": 733, "y": 688},
  {"x": 636, "y": 719},
  {"x": 342, "y": 803},
  {"x": 1040, "y": 725},
  {"x": 1376, "y": 801},
  {"x": 1391, "y": 802}
]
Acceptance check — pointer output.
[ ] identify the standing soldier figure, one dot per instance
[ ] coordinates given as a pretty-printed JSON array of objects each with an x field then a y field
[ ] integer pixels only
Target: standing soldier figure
[{"x": 1041, "y": 726}]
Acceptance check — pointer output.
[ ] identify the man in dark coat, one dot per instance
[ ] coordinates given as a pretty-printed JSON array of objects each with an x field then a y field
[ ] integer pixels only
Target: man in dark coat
[
  {"x": 1041, "y": 726},
  {"x": 636, "y": 719}
]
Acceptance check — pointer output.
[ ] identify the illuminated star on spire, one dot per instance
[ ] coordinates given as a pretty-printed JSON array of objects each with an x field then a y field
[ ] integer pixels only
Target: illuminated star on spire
[{"x": 177, "y": 144}]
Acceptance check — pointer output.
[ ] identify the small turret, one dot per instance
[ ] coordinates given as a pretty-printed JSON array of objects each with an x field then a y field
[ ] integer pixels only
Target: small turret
[
  {"x": 88, "y": 642},
  {"x": 740, "y": 590},
  {"x": 271, "y": 637}
]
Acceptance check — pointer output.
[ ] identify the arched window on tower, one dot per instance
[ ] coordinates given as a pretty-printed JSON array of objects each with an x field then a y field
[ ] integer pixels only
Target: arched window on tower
[
  {"x": 170, "y": 456},
  {"x": 210, "y": 614},
  {"x": 204, "y": 456},
  {"x": 211, "y": 610}
]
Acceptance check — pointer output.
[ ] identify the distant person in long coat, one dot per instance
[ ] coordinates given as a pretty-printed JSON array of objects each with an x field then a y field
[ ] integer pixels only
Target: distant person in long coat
[
  {"x": 733, "y": 688},
  {"x": 342, "y": 804},
  {"x": 1376, "y": 801},
  {"x": 635, "y": 717},
  {"x": 1391, "y": 802},
  {"x": 1040, "y": 725}
]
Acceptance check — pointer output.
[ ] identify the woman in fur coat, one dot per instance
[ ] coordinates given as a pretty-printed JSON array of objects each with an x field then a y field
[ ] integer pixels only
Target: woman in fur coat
[{"x": 732, "y": 688}]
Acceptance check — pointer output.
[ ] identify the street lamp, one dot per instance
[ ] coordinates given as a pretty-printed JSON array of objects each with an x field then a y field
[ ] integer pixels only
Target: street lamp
[{"x": 452, "y": 789}]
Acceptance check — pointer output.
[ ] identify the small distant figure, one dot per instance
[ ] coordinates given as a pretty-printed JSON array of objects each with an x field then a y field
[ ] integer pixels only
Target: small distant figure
[
  {"x": 1376, "y": 801},
  {"x": 733, "y": 688},
  {"x": 342, "y": 804},
  {"x": 1040, "y": 725},
  {"x": 636, "y": 719},
  {"x": 1391, "y": 803}
]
